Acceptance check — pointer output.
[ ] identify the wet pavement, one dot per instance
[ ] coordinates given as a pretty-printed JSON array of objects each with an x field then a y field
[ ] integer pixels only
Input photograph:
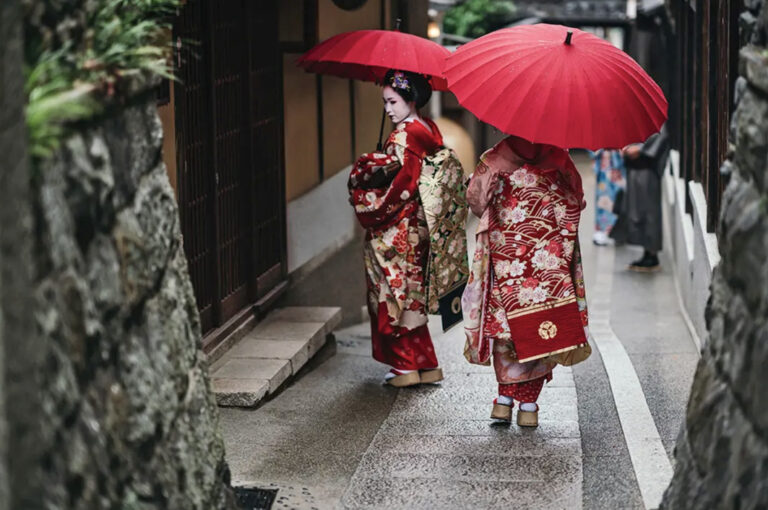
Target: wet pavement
[{"x": 337, "y": 438}]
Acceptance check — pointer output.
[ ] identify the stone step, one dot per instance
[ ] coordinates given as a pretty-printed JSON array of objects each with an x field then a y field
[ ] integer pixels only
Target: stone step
[{"x": 272, "y": 352}]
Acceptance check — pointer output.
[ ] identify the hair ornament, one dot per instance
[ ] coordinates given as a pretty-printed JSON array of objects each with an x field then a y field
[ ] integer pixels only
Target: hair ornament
[{"x": 399, "y": 81}]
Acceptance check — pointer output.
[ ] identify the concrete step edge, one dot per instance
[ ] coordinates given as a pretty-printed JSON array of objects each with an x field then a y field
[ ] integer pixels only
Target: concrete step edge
[{"x": 305, "y": 333}]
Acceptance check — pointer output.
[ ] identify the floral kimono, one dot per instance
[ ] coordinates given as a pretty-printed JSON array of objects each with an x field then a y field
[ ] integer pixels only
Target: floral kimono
[
  {"x": 384, "y": 190},
  {"x": 524, "y": 304}
]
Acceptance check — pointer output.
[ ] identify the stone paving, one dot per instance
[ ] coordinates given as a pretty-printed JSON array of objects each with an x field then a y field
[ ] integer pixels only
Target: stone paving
[
  {"x": 437, "y": 447},
  {"x": 429, "y": 446}
]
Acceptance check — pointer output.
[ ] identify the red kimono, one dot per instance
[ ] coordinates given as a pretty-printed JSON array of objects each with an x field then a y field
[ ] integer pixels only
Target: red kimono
[
  {"x": 384, "y": 191},
  {"x": 525, "y": 301}
]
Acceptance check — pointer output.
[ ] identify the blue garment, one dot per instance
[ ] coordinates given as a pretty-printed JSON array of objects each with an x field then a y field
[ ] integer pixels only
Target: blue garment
[{"x": 611, "y": 176}]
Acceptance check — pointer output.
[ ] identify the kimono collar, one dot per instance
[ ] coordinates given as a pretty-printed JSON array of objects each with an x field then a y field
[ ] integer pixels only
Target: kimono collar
[
  {"x": 519, "y": 151},
  {"x": 420, "y": 140}
]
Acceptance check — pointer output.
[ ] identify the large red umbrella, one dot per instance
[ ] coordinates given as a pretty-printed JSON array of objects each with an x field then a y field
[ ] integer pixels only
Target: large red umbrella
[
  {"x": 556, "y": 85},
  {"x": 369, "y": 54}
]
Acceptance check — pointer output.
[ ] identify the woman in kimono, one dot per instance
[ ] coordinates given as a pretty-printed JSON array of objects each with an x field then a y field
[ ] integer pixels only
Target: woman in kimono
[
  {"x": 384, "y": 191},
  {"x": 611, "y": 178},
  {"x": 524, "y": 305}
]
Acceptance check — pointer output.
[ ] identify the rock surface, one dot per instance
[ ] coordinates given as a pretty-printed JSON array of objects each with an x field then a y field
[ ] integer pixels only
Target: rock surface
[
  {"x": 12, "y": 176},
  {"x": 113, "y": 403},
  {"x": 20, "y": 344},
  {"x": 131, "y": 419},
  {"x": 722, "y": 453}
]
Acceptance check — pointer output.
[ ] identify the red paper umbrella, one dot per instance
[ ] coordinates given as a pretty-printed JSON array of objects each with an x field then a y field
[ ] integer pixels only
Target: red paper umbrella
[
  {"x": 556, "y": 85},
  {"x": 369, "y": 54}
]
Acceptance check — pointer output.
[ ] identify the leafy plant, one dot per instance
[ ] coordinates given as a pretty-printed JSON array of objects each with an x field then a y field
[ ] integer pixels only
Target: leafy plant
[
  {"x": 475, "y": 18},
  {"x": 69, "y": 79},
  {"x": 53, "y": 100}
]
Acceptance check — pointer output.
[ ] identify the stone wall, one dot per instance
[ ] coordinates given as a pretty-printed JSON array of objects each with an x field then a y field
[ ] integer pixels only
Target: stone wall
[
  {"x": 722, "y": 453},
  {"x": 11, "y": 126},
  {"x": 18, "y": 342},
  {"x": 109, "y": 401},
  {"x": 130, "y": 420}
]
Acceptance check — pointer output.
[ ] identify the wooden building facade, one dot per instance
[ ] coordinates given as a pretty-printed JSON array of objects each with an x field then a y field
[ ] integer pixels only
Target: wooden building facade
[
  {"x": 228, "y": 126},
  {"x": 705, "y": 45},
  {"x": 247, "y": 132}
]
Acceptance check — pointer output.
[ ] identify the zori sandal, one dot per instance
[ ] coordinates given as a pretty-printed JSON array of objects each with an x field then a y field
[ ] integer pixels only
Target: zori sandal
[
  {"x": 432, "y": 375},
  {"x": 501, "y": 411},
  {"x": 402, "y": 379},
  {"x": 528, "y": 418}
]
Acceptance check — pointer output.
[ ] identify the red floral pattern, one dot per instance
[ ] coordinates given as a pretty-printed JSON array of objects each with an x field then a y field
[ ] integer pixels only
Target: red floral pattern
[
  {"x": 526, "y": 275},
  {"x": 383, "y": 189},
  {"x": 536, "y": 214},
  {"x": 410, "y": 350}
]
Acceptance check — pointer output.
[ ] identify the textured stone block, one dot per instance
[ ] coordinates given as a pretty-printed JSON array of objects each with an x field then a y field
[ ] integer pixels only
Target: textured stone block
[
  {"x": 276, "y": 371},
  {"x": 317, "y": 343},
  {"x": 377, "y": 493},
  {"x": 755, "y": 67},
  {"x": 529, "y": 445},
  {"x": 314, "y": 332},
  {"x": 750, "y": 155},
  {"x": 286, "y": 330},
  {"x": 276, "y": 348},
  {"x": 470, "y": 467},
  {"x": 239, "y": 392},
  {"x": 294, "y": 351},
  {"x": 331, "y": 316},
  {"x": 474, "y": 427}
]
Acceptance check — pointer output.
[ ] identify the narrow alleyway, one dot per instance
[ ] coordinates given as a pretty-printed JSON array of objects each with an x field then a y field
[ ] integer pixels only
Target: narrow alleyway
[{"x": 337, "y": 438}]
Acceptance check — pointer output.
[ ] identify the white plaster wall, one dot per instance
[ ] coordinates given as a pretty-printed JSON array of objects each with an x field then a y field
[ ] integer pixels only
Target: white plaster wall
[
  {"x": 692, "y": 249},
  {"x": 319, "y": 223},
  {"x": 705, "y": 257}
]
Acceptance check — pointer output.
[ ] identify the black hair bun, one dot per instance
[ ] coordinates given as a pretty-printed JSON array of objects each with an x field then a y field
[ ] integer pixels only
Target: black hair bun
[{"x": 417, "y": 89}]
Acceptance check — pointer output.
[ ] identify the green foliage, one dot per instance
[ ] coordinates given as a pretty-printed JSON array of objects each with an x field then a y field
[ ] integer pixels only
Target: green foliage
[
  {"x": 53, "y": 101},
  {"x": 69, "y": 80},
  {"x": 475, "y": 18}
]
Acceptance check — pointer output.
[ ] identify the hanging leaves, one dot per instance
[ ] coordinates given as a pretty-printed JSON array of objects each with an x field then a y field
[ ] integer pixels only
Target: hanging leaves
[{"x": 72, "y": 70}]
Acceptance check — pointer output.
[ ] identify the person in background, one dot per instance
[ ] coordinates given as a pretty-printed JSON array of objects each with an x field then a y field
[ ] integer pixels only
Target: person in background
[
  {"x": 610, "y": 181},
  {"x": 641, "y": 207}
]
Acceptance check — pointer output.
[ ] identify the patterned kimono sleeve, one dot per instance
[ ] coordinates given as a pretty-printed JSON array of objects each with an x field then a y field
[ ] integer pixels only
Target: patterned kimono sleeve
[
  {"x": 379, "y": 207},
  {"x": 480, "y": 189},
  {"x": 405, "y": 185},
  {"x": 577, "y": 273}
]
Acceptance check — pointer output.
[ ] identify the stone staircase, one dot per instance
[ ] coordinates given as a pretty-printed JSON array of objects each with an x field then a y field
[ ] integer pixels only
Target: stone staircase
[{"x": 272, "y": 352}]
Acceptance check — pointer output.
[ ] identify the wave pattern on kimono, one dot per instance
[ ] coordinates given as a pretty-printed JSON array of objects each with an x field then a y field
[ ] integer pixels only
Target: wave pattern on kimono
[
  {"x": 384, "y": 190},
  {"x": 525, "y": 297},
  {"x": 443, "y": 196}
]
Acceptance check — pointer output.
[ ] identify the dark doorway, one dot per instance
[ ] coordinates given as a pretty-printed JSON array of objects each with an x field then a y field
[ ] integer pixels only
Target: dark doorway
[{"x": 229, "y": 152}]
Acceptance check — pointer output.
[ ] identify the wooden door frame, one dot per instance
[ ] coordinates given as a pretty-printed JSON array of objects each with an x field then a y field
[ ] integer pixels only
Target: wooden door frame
[{"x": 220, "y": 319}]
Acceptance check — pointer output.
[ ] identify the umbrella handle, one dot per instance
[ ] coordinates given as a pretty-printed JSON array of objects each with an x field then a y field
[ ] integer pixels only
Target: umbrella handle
[{"x": 381, "y": 130}]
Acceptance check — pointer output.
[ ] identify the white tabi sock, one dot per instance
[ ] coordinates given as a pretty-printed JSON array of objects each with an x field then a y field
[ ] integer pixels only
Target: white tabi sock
[
  {"x": 389, "y": 375},
  {"x": 529, "y": 407},
  {"x": 505, "y": 400}
]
